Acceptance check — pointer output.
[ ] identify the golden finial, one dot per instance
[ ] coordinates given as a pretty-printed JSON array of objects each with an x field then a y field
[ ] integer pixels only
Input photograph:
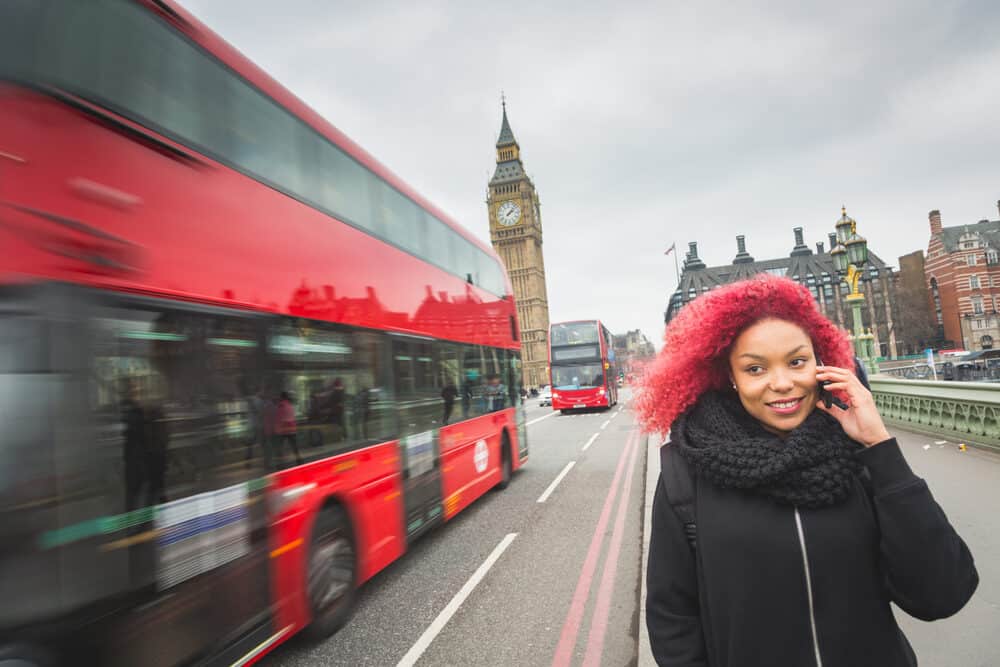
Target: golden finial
[{"x": 843, "y": 211}]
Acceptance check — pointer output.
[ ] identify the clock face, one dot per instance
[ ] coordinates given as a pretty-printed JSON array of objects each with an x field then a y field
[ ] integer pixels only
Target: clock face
[{"x": 508, "y": 214}]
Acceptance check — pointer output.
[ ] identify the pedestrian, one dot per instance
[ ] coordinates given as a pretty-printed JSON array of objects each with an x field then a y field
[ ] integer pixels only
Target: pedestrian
[
  {"x": 783, "y": 524},
  {"x": 286, "y": 426}
]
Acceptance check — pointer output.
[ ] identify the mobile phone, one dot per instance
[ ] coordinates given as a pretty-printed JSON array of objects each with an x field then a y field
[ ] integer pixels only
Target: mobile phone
[{"x": 826, "y": 396}]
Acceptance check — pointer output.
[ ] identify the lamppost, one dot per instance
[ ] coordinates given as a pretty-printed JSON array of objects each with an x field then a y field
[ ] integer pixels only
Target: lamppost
[{"x": 850, "y": 256}]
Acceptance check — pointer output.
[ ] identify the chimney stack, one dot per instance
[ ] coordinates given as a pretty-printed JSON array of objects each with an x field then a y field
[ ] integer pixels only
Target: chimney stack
[
  {"x": 800, "y": 245},
  {"x": 742, "y": 256},
  {"x": 819, "y": 247},
  {"x": 833, "y": 240},
  {"x": 693, "y": 261},
  {"x": 935, "y": 219}
]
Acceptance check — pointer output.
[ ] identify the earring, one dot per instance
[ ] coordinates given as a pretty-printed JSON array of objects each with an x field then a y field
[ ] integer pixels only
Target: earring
[{"x": 734, "y": 385}]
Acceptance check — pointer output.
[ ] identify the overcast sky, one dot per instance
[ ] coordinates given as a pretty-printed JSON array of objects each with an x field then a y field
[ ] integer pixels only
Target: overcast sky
[{"x": 646, "y": 123}]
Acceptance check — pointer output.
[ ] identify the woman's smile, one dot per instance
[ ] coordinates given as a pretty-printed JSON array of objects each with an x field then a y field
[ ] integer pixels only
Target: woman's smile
[{"x": 786, "y": 406}]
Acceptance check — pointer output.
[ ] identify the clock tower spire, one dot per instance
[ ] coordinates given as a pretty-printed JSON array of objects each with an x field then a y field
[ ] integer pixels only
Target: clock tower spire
[{"x": 516, "y": 234}]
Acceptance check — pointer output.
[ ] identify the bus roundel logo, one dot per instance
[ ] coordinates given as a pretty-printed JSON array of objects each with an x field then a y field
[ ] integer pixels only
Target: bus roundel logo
[{"x": 482, "y": 456}]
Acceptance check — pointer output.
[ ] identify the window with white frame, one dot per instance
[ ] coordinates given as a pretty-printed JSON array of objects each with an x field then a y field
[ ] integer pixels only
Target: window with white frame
[
  {"x": 970, "y": 259},
  {"x": 977, "y": 305},
  {"x": 973, "y": 282},
  {"x": 991, "y": 256}
]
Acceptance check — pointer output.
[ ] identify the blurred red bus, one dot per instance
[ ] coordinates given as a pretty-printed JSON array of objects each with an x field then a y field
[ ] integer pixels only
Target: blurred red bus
[
  {"x": 582, "y": 365},
  {"x": 242, "y": 365}
]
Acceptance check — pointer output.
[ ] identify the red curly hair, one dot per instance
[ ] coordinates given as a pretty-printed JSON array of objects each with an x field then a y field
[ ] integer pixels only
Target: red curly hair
[{"x": 695, "y": 355}]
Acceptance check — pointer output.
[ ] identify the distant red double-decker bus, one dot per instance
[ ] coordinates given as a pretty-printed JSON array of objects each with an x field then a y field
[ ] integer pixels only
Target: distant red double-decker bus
[
  {"x": 582, "y": 365},
  {"x": 242, "y": 365}
]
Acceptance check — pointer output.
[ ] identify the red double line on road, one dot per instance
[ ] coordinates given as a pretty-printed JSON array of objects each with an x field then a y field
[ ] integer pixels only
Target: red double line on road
[{"x": 571, "y": 626}]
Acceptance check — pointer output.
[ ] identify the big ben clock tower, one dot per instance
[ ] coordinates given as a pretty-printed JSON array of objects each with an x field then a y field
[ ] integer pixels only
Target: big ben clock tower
[{"x": 516, "y": 234}]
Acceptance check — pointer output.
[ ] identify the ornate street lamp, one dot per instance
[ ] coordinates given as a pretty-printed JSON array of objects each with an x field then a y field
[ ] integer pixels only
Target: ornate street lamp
[{"x": 850, "y": 256}]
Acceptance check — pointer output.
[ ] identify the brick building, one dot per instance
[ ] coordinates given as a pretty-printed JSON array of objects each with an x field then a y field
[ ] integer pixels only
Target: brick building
[
  {"x": 817, "y": 271},
  {"x": 914, "y": 317},
  {"x": 962, "y": 270}
]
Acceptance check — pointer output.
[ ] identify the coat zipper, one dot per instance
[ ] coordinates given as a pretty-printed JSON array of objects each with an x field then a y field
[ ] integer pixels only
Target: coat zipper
[{"x": 809, "y": 590}]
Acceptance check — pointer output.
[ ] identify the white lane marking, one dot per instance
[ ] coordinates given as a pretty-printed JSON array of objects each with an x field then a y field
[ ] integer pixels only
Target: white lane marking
[
  {"x": 442, "y": 619},
  {"x": 605, "y": 424},
  {"x": 552, "y": 487},
  {"x": 591, "y": 441},
  {"x": 535, "y": 421},
  {"x": 614, "y": 415}
]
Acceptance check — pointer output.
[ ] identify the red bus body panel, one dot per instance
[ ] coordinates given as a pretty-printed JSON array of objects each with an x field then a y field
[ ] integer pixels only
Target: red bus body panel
[
  {"x": 567, "y": 399},
  {"x": 200, "y": 231}
]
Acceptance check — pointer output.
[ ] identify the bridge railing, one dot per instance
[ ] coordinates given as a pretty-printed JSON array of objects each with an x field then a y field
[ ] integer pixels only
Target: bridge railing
[{"x": 961, "y": 411}]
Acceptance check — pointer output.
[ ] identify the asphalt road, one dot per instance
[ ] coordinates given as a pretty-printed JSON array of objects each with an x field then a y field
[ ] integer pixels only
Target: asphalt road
[{"x": 552, "y": 594}]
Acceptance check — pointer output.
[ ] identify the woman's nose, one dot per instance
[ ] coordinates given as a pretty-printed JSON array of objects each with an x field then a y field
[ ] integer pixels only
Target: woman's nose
[{"x": 781, "y": 381}]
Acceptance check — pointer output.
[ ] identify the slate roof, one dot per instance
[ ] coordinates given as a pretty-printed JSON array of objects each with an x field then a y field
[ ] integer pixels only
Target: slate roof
[
  {"x": 506, "y": 134},
  {"x": 988, "y": 231},
  {"x": 510, "y": 170},
  {"x": 802, "y": 262}
]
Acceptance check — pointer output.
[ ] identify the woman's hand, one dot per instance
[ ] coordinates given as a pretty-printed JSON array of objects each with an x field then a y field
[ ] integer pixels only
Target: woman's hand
[{"x": 861, "y": 420}]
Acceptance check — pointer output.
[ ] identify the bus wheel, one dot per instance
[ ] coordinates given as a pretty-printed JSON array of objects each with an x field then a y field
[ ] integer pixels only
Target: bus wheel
[
  {"x": 332, "y": 575},
  {"x": 506, "y": 465}
]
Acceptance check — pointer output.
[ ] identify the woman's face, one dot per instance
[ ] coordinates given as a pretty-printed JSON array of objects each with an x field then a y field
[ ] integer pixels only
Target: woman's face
[{"x": 774, "y": 369}]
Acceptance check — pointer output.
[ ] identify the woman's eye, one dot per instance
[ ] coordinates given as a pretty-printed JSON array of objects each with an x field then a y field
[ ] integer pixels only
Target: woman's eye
[
  {"x": 796, "y": 363},
  {"x": 754, "y": 370}
]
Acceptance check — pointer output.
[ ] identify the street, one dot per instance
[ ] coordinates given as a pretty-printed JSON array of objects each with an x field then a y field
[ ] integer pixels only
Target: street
[
  {"x": 552, "y": 596},
  {"x": 540, "y": 596}
]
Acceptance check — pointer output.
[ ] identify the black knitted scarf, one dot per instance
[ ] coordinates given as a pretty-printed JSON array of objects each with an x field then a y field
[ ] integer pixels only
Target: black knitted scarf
[{"x": 813, "y": 466}]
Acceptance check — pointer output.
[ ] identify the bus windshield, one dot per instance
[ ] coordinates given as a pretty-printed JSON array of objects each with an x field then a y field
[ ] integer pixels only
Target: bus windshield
[
  {"x": 581, "y": 376},
  {"x": 575, "y": 333}
]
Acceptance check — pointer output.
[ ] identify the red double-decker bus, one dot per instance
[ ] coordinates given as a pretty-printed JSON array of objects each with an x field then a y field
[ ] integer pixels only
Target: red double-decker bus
[
  {"x": 242, "y": 366},
  {"x": 582, "y": 365}
]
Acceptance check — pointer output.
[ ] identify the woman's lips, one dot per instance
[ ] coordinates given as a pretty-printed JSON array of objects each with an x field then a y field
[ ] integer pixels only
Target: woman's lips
[{"x": 786, "y": 406}]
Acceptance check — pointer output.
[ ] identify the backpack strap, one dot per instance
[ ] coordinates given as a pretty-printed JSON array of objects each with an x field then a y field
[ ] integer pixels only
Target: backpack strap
[{"x": 678, "y": 482}]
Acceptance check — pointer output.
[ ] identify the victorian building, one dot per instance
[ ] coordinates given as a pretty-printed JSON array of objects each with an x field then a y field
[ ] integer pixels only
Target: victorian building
[
  {"x": 631, "y": 349},
  {"x": 962, "y": 270},
  {"x": 516, "y": 235},
  {"x": 815, "y": 269}
]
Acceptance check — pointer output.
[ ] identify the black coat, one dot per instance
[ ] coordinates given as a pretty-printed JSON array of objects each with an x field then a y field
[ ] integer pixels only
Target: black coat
[{"x": 769, "y": 578}]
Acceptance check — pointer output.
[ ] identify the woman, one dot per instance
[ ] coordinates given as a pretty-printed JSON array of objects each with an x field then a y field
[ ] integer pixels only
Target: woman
[{"x": 808, "y": 520}]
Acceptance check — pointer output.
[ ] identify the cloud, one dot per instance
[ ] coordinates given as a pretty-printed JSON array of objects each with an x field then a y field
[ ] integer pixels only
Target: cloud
[{"x": 645, "y": 123}]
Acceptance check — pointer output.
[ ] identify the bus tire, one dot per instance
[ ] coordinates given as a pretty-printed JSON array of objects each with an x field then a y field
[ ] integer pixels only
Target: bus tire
[
  {"x": 331, "y": 575},
  {"x": 506, "y": 463}
]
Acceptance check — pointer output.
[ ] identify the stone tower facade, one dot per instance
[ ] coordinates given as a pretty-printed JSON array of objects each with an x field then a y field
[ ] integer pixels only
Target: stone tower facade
[{"x": 516, "y": 235}]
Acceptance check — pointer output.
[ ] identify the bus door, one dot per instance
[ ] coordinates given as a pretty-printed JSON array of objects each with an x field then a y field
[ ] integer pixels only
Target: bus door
[
  {"x": 421, "y": 415},
  {"x": 176, "y": 399}
]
